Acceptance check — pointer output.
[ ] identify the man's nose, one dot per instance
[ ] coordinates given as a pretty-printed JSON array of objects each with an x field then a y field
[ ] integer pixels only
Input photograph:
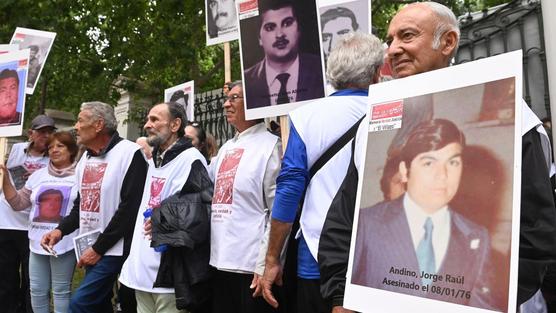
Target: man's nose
[
  {"x": 442, "y": 172},
  {"x": 394, "y": 48}
]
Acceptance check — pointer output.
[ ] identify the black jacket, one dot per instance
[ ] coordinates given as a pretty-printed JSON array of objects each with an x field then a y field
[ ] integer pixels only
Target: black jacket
[
  {"x": 183, "y": 223},
  {"x": 131, "y": 194}
]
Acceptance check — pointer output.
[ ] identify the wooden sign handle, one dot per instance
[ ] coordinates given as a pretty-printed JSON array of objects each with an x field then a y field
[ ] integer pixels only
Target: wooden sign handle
[{"x": 284, "y": 131}]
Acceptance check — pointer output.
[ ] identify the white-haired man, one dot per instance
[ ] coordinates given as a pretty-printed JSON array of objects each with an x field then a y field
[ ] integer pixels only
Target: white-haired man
[
  {"x": 315, "y": 129},
  {"x": 110, "y": 175},
  {"x": 422, "y": 37}
]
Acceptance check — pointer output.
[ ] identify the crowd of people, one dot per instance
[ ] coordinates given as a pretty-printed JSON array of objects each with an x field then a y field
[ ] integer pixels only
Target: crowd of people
[{"x": 183, "y": 227}]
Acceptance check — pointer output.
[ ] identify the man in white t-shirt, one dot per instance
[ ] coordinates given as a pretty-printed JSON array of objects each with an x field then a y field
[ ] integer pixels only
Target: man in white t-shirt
[
  {"x": 244, "y": 174},
  {"x": 177, "y": 166},
  {"x": 110, "y": 176},
  {"x": 24, "y": 159}
]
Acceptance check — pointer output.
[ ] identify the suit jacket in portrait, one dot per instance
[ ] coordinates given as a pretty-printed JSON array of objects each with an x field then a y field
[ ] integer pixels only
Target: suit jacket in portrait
[
  {"x": 309, "y": 83},
  {"x": 384, "y": 251}
]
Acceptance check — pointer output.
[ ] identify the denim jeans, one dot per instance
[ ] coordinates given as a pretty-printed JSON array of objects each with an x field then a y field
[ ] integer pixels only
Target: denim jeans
[
  {"x": 94, "y": 294},
  {"x": 46, "y": 271}
]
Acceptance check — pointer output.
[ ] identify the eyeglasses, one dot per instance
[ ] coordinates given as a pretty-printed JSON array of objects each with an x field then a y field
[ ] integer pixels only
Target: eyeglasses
[{"x": 233, "y": 98}]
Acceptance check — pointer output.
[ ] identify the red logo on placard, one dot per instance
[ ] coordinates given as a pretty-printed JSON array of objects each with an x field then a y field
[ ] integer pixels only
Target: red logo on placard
[
  {"x": 91, "y": 185},
  {"x": 248, "y": 6},
  {"x": 387, "y": 110},
  {"x": 224, "y": 186}
]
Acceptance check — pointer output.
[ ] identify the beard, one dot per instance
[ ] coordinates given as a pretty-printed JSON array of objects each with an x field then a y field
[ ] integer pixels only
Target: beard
[{"x": 155, "y": 140}]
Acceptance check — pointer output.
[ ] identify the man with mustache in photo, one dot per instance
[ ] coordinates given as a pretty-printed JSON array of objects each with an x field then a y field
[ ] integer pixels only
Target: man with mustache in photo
[
  {"x": 223, "y": 15},
  {"x": 285, "y": 74}
]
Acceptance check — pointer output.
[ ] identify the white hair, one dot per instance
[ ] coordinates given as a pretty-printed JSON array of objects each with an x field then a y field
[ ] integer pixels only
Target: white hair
[
  {"x": 101, "y": 110},
  {"x": 447, "y": 21},
  {"x": 354, "y": 61}
]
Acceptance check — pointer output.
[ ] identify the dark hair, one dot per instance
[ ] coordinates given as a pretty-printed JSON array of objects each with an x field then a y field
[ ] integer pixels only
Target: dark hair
[
  {"x": 51, "y": 192},
  {"x": 267, "y": 5},
  {"x": 337, "y": 12},
  {"x": 391, "y": 168},
  {"x": 34, "y": 47},
  {"x": 430, "y": 136},
  {"x": 202, "y": 136},
  {"x": 177, "y": 111},
  {"x": 7, "y": 73},
  {"x": 67, "y": 139}
]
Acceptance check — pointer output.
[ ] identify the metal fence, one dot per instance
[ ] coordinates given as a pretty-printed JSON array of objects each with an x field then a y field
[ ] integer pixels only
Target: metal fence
[
  {"x": 210, "y": 113},
  {"x": 513, "y": 26}
]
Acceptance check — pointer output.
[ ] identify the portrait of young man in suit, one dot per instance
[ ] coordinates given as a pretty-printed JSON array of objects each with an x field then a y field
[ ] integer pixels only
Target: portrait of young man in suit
[
  {"x": 416, "y": 243},
  {"x": 285, "y": 74},
  {"x": 336, "y": 22}
]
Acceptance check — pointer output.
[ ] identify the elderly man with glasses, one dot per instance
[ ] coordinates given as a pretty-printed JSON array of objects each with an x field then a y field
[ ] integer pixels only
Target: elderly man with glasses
[{"x": 244, "y": 174}]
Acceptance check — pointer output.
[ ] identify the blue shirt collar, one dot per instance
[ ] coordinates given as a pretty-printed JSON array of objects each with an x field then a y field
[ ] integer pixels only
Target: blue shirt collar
[{"x": 351, "y": 92}]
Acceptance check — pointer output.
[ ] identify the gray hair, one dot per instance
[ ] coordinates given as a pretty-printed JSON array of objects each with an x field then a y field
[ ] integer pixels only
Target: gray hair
[
  {"x": 447, "y": 21},
  {"x": 100, "y": 110},
  {"x": 354, "y": 61},
  {"x": 235, "y": 83}
]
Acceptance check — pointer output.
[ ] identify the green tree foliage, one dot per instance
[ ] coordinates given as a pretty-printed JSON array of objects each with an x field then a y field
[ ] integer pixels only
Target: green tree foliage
[
  {"x": 154, "y": 44},
  {"x": 384, "y": 10}
]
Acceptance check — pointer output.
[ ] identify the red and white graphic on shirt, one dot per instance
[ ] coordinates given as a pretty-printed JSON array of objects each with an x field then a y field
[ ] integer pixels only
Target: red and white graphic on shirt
[
  {"x": 157, "y": 184},
  {"x": 224, "y": 186},
  {"x": 91, "y": 185},
  {"x": 33, "y": 166}
]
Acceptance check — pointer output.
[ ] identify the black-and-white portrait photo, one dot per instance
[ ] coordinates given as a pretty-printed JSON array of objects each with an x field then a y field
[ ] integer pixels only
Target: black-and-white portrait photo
[
  {"x": 282, "y": 62},
  {"x": 221, "y": 20},
  {"x": 39, "y": 44},
  {"x": 184, "y": 95},
  {"x": 341, "y": 18}
]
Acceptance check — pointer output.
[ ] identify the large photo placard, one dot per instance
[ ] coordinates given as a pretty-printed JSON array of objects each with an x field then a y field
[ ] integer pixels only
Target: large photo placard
[
  {"x": 436, "y": 225},
  {"x": 39, "y": 43},
  {"x": 340, "y": 17},
  {"x": 183, "y": 94},
  {"x": 221, "y": 19},
  {"x": 13, "y": 77},
  {"x": 281, "y": 60}
]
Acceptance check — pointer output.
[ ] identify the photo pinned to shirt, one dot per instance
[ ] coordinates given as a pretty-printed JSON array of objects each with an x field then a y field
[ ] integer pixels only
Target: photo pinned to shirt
[
  {"x": 281, "y": 60},
  {"x": 13, "y": 77},
  {"x": 184, "y": 94},
  {"x": 39, "y": 43},
  {"x": 51, "y": 203},
  {"x": 437, "y": 211}
]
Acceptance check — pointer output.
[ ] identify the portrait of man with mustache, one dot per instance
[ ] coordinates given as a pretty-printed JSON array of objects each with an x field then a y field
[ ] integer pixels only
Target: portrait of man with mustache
[
  {"x": 285, "y": 74},
  {"x": 221, "y": 17}
]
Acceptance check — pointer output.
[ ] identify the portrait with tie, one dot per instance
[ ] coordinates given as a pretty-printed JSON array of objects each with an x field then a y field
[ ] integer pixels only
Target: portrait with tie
[
  {"x": 282, "y": 64},
  {"x": 437, "y": 222}
]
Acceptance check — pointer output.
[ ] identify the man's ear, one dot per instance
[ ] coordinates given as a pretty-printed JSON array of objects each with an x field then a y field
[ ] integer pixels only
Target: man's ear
[
  {"x": 175, "y": 125},
  {"x": 448, "y": 43},
  {"x": 99, "y": 125},
  {"x": 403, "y": 172},
  {"x": 376, "y": 76}
]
